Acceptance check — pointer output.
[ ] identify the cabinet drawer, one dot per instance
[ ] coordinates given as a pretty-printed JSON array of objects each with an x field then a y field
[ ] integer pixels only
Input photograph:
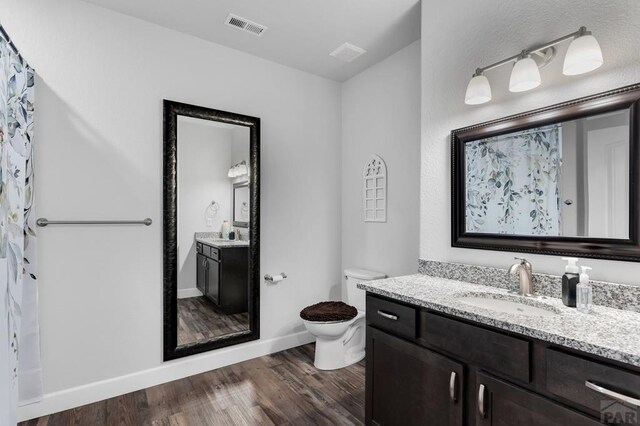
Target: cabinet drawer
[
  {"x": 214, "y": 253},
  {"x": 504, "y": 355},
  {"x": 394, "y": 317},
  {"x": 567, "y": 377},
  {"x": 199, "y": 247},
  {"x": 499, "y": 403}
]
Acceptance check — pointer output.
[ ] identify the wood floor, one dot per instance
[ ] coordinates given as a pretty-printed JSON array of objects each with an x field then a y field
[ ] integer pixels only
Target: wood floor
[
  {"x": 279, "y": 389},
  {"x": 198, "y": 319}
]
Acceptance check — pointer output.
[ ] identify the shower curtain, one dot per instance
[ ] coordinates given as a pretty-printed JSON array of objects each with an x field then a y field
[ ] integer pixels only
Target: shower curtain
[
  {"x": 513, "y": 183},
  {"x": 20, "y": 371}
]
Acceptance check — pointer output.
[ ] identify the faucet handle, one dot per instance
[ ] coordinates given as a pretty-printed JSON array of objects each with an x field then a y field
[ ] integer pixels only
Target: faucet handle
[{"x": 524, "y": 262}]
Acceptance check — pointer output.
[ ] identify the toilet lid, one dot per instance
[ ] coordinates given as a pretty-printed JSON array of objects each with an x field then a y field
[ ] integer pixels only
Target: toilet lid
[{"x": 328, "y": 311}]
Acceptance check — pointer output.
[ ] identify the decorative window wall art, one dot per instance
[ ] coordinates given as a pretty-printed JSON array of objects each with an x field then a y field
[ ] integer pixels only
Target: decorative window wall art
[{"x": 375, "y": 190}]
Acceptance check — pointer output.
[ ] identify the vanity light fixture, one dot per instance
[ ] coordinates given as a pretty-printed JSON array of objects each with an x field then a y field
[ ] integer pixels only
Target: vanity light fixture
[
  {"x": 584, "y": 55},
  {"x": 525, "y": 75},
  {"x": 237, "y": 170}
]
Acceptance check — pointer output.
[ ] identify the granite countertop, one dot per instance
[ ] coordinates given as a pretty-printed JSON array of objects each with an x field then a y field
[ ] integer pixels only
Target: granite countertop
[
  {"x": 606, "y": 332},
  {"x": 220, "y": 243}
]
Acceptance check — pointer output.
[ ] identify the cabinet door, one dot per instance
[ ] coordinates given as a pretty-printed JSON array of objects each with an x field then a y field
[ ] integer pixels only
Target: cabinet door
[
  {"x": 213, "y": 280},
  {"x": 501, "y": 404},
  {"x": 410, "y": 385},
  {"x": 200, "y": 273}
]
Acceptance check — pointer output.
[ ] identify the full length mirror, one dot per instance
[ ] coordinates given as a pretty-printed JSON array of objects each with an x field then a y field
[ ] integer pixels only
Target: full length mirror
[
  {"x": 211, "y": 229},
  {"x": 560, "y": 180}
]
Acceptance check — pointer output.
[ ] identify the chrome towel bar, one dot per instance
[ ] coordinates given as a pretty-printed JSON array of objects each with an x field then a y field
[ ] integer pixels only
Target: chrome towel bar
[{"x": 44, "y": 222}]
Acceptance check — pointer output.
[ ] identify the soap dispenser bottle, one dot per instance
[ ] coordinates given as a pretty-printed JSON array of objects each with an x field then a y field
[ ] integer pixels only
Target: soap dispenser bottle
[
  {"x": 570, "y": 280},
  {"x": 584, "y": 292}
]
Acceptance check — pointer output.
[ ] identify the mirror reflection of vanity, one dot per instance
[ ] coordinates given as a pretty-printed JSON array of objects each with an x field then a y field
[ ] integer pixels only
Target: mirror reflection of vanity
[
  {"x": 211, "y": 176},
  {"x": 561, "y": 180}
]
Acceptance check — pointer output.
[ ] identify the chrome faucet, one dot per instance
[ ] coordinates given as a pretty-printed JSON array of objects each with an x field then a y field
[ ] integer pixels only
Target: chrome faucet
[{"x": 523, "y": 269}]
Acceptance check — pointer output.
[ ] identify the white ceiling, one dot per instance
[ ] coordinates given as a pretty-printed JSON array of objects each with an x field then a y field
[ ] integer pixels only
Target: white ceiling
[{"x": 301, "y": 33}]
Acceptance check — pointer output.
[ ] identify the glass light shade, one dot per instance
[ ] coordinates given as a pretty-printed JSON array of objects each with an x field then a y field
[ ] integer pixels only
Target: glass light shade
[
  {"x": 478, "y": 91},
  {"x": 584, "y": 55},
  {"x": 525, "y": 75}
]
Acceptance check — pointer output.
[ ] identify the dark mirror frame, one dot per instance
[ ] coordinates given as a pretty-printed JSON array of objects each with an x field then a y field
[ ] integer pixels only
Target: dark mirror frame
[
  {"x": 171, "y": 111},
  {"x": 238, "y": 223},
  {"x": 599, "y": 248}
]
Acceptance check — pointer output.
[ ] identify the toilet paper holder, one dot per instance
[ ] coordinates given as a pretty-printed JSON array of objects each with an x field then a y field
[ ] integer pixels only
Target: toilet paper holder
[{"x": 270, "y": 278}]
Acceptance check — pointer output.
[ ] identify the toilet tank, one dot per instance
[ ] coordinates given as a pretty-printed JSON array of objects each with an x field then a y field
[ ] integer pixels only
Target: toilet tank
[{"x": 355, "y": 296}]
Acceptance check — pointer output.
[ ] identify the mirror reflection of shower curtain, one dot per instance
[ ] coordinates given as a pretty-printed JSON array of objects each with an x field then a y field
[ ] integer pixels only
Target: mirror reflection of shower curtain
[
  {"x": 19, "y": 330},
  {"x": 512, "y": 183}
]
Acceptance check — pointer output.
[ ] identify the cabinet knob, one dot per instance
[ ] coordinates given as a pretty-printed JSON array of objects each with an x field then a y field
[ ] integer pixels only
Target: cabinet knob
[
  {"x": 612, "y": 394},
  {"x": 481, "y": 409},
  {"x": 388, "y": 316},
  {"x": 452, "y": 386}
]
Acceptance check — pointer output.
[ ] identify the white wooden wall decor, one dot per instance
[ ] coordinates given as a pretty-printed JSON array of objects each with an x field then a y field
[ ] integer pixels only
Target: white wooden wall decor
[{"x": 375, "y": 190}]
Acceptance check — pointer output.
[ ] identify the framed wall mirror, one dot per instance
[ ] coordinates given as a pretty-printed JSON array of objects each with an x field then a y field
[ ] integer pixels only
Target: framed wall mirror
[
  {"x": 211, "y": 263},
  {"x": 561, "y": 180},
  {"x": 241, "y": 204}
]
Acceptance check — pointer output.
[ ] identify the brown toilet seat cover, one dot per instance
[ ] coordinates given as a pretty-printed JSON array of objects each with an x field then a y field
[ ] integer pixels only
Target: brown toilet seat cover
[{"x": 328, "y": 311}]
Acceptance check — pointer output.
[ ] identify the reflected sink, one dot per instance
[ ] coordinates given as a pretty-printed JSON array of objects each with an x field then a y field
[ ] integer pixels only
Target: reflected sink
[{"x": 509, "y": 306}]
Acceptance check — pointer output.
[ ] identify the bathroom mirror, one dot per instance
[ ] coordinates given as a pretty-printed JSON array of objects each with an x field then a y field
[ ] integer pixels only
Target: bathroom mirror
[
  {"x": 561, "y": 180},
  {"x": 241, "y": 204},
  {"x": 211, "y": 229}
]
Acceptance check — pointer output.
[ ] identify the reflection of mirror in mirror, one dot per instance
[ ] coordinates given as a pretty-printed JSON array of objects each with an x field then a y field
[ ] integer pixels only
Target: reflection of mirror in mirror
[
  {"x": 569, "y": 179},
  {"x": 213, "y": 271},
  {"x": 241, "y": 206}
]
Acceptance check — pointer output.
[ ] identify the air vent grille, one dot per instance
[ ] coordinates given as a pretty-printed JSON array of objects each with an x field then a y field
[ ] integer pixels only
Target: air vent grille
[
  {"x": 347, "y": 52},
  {"x": 245, "y": 25}
]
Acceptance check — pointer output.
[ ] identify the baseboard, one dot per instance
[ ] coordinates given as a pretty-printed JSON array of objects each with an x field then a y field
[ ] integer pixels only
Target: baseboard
[
  {"x": 70, "y": 398},
  {"x": 184, "y": 293}
]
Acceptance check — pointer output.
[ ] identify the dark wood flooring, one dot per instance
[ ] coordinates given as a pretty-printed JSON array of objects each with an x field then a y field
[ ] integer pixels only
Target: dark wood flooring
[
  {"x": 198, "y": 319},
  {"x": 279, "y": 389}
]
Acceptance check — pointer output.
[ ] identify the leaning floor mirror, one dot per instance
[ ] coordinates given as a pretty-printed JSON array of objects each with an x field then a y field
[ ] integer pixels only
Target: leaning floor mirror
[{"x": 211, "y": 229}]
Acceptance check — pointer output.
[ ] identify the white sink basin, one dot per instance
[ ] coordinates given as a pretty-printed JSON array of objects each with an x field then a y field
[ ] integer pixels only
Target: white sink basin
[{"x": 508, "y": 306}]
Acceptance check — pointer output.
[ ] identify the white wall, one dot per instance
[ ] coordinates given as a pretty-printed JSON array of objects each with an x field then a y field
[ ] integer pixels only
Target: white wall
[
  {"x": 462, "y": 39},
  {"x": 381, "y": 115},
  {"x": 204, "y": 158},
  {"x": 101, "y": 78}
]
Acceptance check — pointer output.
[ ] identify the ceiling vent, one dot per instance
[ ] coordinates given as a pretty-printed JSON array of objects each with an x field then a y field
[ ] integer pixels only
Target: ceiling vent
[
  {"x": 347, "y": 52},
  {"x": 245, "y": 25}
]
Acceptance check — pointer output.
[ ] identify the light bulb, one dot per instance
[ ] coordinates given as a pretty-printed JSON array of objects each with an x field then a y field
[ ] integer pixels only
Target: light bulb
[
  {"x": 584, "y": 55},
  {"x": 478, "y": 90},
  {"x": 525, "y": 75}
]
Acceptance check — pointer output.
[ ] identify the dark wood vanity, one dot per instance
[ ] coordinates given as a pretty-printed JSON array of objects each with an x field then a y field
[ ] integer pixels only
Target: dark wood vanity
[
  {"x": 223, "y": 276},
  {"x": 427, "y": 368}
]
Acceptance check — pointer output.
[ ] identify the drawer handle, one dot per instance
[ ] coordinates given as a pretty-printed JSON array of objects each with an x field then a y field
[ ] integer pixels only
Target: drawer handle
[
  {"x": 612, "y": 394},
  {"x": 481, "y": 392},
  {"x": 388, "y": 316},
  {"x": 452, "y": 386}
]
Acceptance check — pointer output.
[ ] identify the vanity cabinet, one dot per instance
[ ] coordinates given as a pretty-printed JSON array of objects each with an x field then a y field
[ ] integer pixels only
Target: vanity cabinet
[
  {"x": 412, "y": 384},
  {"x": 201, "y": 265},
  {"x": 223, "y": 276},
  {"x": 502, "y": 404},
  {"x": 425, "y": 367}
]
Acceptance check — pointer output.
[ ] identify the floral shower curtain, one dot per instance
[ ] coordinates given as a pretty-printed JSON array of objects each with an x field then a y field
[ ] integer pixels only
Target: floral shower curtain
[
  {"x": 513, "y": 183},
  {"x": 20, "y": 373}
]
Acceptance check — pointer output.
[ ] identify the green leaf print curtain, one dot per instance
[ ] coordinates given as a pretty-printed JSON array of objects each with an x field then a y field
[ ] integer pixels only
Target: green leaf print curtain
[
  {"x": 512, "y": 183},
  {"x": 20, "y": 374}
]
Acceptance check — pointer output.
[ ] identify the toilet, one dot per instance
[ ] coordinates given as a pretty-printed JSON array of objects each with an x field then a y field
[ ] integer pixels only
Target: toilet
[{"x": 340, "y": 341}]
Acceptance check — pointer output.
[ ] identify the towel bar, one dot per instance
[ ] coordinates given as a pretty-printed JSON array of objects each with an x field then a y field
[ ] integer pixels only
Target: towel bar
[{"x": 44, "y": 222}]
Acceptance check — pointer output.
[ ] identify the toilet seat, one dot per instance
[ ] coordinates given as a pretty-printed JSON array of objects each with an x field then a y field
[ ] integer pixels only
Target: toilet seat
[{"x": 329, "y": 312}]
